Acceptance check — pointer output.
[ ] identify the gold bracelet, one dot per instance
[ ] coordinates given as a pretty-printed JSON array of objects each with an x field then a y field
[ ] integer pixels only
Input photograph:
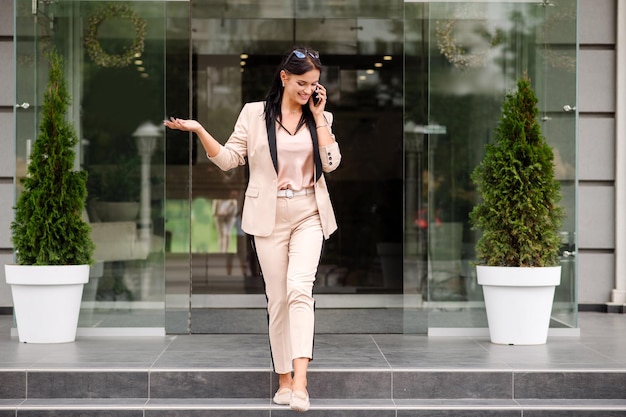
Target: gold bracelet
[{"x": 317, "y": 127}]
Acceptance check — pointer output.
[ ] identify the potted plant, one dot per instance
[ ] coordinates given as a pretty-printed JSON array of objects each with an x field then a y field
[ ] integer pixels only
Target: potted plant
[
  {"x": 52, "y": 242},
  {"x": 519, "y": 217},
  {"x": 117, "y": 190}
]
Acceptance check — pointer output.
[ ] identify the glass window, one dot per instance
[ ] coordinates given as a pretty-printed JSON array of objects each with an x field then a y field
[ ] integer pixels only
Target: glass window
[
  {"x": 115, "y": 64},
  {"x": 464, "y": 57}
]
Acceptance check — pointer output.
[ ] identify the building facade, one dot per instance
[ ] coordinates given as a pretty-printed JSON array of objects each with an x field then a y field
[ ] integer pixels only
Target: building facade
[{"x": 416, "y": 89}]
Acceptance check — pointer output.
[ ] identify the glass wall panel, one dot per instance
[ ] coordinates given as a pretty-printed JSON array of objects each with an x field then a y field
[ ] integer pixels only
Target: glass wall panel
[
  {"x": 556, "y": 74},
  {"x": 179, "y": 150},
  {"x": 28, "y": 83},
  {"x": 27, "y": 86},
  {"x": 476, "y": 51},
  {"x": 115, "y": 64}
]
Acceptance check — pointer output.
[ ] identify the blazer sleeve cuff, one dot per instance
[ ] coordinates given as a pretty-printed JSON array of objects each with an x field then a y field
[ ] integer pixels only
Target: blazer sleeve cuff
[{"x": 330, "y": 157}]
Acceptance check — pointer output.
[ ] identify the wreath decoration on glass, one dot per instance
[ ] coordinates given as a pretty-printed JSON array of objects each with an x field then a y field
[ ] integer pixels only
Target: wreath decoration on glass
[
  {"x": 566, "y": 58},
  {"x": 455, "y": 53},
  {"x": 93, "y": 46}
]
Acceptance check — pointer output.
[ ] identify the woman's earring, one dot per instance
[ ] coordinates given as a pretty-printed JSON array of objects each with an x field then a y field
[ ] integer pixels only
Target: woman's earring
[{"x": 283, "y": 84}]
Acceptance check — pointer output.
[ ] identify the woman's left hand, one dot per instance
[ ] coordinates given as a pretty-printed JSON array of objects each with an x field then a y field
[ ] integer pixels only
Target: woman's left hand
[{"x": 320, "y": 93}]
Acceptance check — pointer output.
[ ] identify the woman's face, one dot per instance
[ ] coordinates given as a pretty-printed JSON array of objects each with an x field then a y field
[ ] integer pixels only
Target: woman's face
[{"x": 299, "y": 88}]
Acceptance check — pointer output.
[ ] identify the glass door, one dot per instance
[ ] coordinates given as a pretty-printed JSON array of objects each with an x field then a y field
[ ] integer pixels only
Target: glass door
[
  {"x": 236, "y": 47},
  {"x": 461, "y": 59},
  {"x": 115, "y": 67}
]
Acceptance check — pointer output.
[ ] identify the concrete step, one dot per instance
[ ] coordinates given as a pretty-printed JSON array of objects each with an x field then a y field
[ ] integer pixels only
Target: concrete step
[
  {"x": 319, "y": 408},
  {"x": 240, "y": 392},
  {"x": 403, "y": 384}
]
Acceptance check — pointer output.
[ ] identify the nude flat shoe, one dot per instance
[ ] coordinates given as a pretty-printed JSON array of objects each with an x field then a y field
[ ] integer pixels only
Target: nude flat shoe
[
  {"x": 283, "y": 396},
  {"x": 299, "y": 401}
]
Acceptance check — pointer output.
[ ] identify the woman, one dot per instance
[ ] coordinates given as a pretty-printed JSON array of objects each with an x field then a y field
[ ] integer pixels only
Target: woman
[{"x": 288, "y": 143}]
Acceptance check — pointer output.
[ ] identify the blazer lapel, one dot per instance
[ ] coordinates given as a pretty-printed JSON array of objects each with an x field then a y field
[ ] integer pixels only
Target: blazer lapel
[
  {"x": 316, "y": 149},
  {"x": 271, "y": 137}
]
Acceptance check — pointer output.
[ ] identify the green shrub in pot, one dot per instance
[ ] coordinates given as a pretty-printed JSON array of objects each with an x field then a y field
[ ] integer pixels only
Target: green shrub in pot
[
  {"x": 519, "y": 215},
  {"x": 48, "y": 228}
]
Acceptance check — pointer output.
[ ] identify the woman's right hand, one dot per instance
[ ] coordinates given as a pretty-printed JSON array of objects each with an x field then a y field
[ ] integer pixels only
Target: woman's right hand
[
  {"x": 211, "y": 146},
  {"x": 182, "y": 124}
]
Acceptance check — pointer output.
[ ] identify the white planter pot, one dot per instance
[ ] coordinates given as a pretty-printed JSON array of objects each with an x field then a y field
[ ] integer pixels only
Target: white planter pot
[
  {"x": 518, "y": 302},
  {"x": 47, "y": 301},
  {"x": 117, "y": 211}
]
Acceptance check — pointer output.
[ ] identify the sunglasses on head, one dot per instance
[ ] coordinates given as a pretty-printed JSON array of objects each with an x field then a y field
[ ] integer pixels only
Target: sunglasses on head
[{"x": 301, "y": 53}]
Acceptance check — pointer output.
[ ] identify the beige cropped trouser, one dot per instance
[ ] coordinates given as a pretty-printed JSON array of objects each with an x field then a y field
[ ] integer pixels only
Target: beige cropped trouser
[{"x": 289, "y": 258}]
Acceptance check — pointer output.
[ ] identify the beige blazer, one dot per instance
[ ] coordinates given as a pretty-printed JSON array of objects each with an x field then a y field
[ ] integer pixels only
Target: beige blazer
[{"x": 249, "y": 139}]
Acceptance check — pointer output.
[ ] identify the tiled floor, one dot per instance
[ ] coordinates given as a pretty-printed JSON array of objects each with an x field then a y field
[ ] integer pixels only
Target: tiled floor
[{"x": 601, "y": 346}]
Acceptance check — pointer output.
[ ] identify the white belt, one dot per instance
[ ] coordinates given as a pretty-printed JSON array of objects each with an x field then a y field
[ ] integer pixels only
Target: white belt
[{"x": 289, "y": 193}]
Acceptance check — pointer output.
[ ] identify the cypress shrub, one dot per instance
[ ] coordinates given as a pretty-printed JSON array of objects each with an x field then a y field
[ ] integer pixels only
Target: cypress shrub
[
  {"x": 519, "y": 215},
  {"x": 48, "y": 228}
]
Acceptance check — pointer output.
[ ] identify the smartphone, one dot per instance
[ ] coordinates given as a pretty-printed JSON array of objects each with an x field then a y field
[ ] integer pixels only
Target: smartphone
[{"x": 316, "y": 99}]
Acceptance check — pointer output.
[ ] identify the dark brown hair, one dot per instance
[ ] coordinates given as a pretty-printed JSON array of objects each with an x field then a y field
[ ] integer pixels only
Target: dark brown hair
[{"x": 293, "y": 65}]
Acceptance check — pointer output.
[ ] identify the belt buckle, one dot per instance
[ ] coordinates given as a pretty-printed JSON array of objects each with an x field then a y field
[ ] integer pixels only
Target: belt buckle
[{"x": 289, "y": 193}]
